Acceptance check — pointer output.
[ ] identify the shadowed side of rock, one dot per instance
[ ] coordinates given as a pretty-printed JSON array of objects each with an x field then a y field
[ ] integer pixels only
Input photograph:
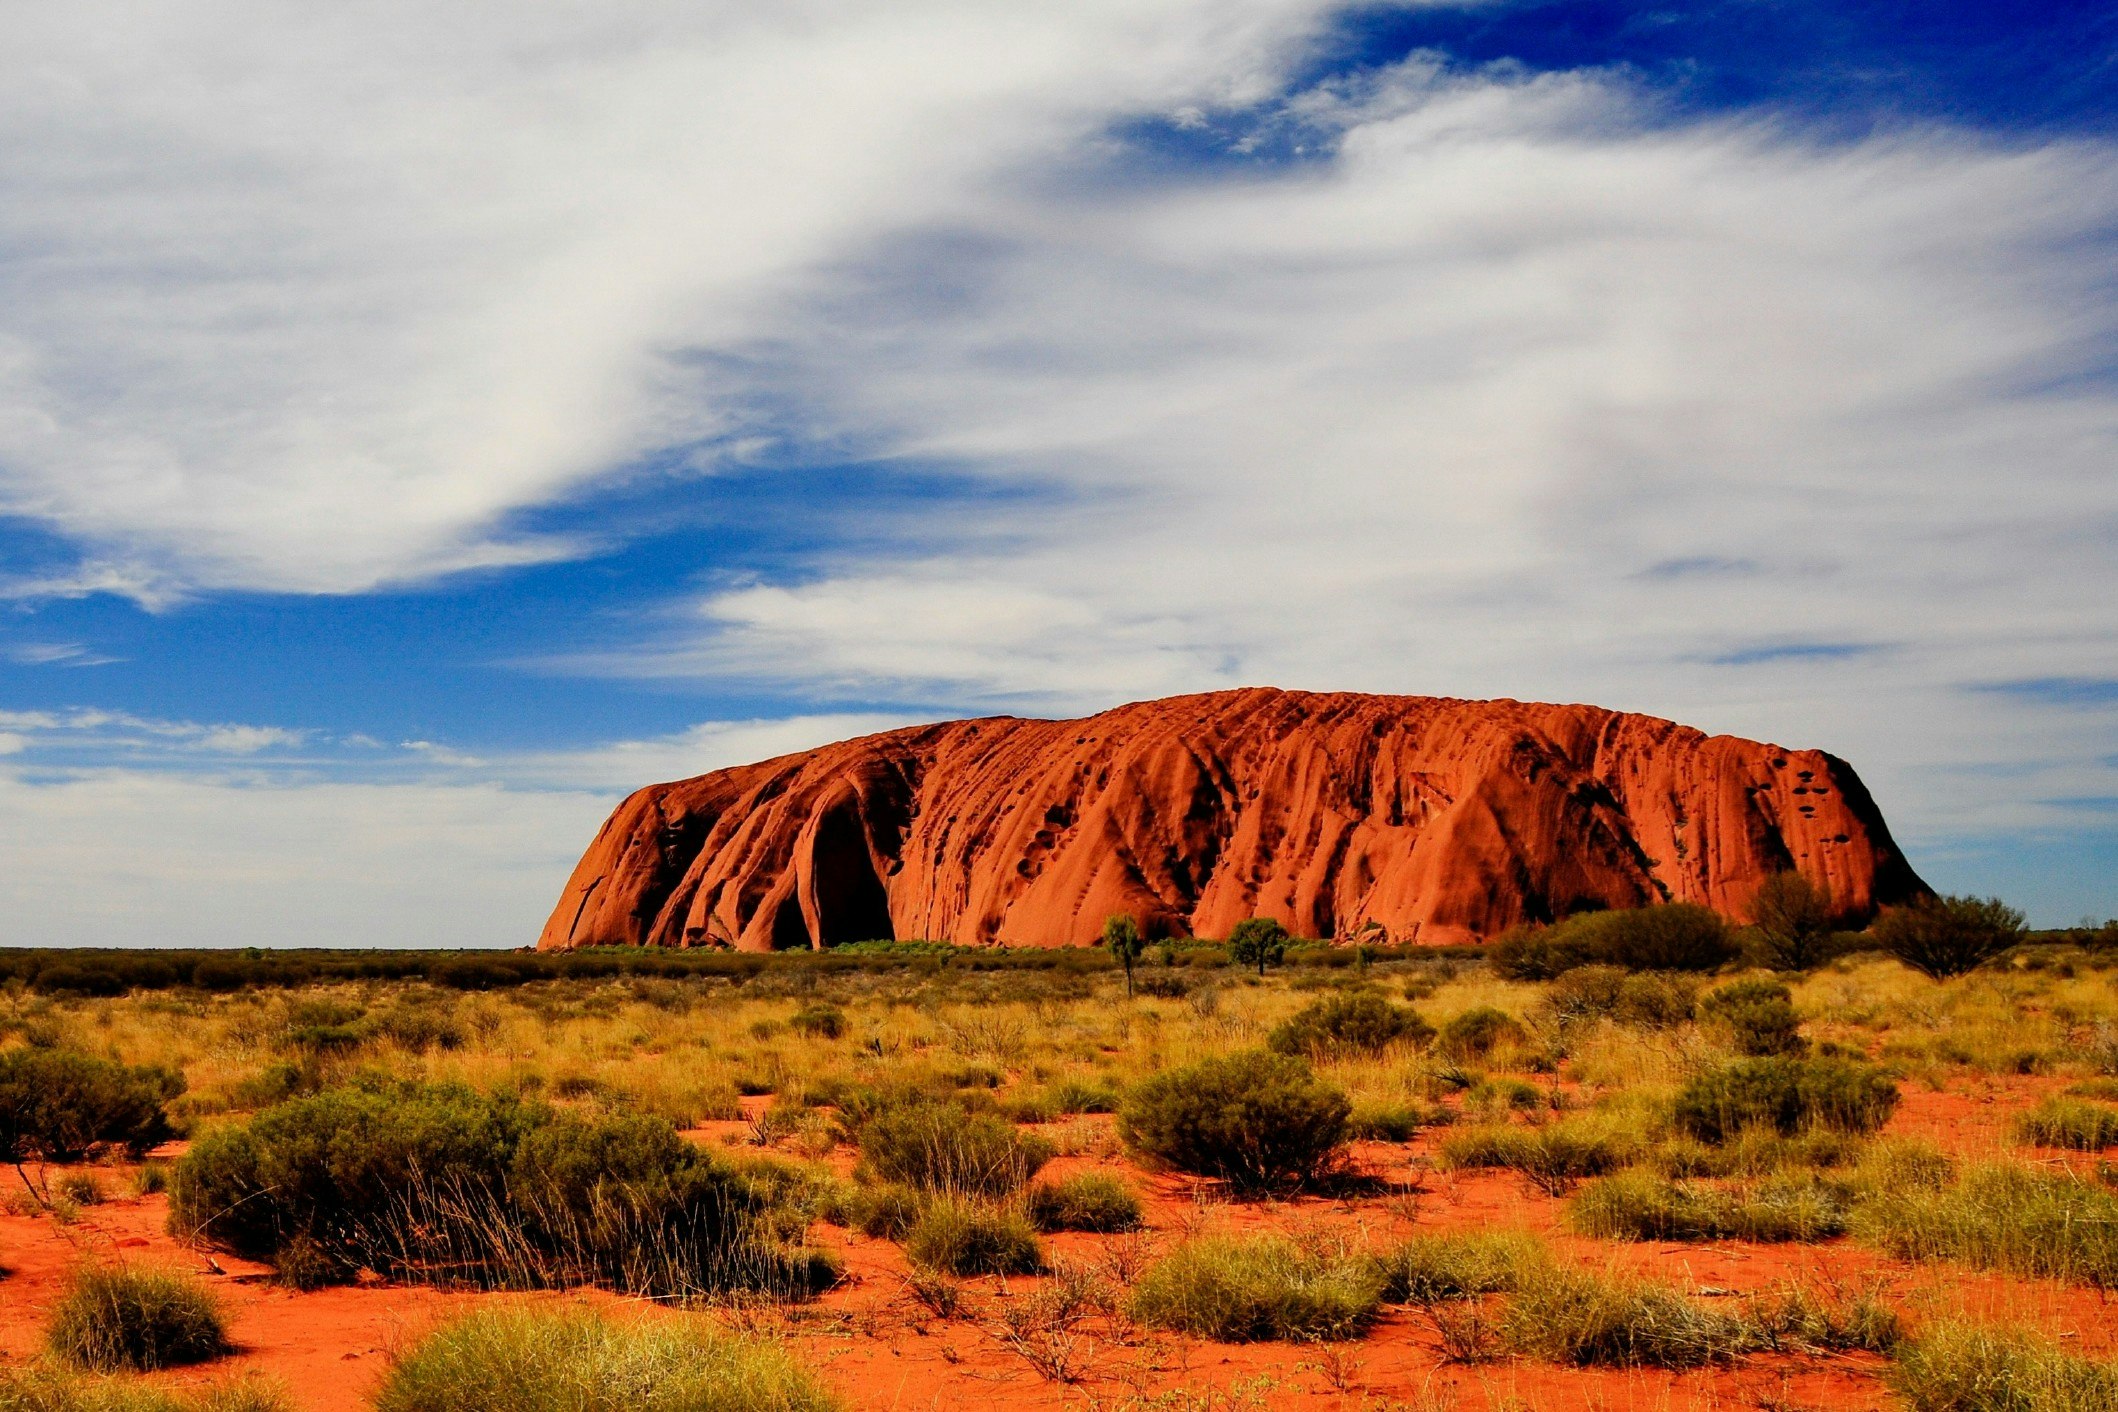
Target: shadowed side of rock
[{"x": 1426, "y": 819}]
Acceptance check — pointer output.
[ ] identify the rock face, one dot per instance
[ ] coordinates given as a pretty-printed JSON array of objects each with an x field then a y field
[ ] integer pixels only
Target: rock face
[{"x": 1434, "y": 820}]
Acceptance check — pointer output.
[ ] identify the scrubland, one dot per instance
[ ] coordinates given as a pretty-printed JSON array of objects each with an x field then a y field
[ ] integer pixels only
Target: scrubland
[{"x": 1374, "y": 1180}]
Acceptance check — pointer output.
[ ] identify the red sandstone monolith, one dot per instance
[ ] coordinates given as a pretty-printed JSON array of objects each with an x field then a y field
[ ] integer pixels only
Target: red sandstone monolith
[{"x": 1398, "y": 818}]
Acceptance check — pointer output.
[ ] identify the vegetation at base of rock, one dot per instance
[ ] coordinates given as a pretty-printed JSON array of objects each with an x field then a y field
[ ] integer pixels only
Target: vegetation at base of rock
[
  {"x": 1121, "y": 938},
  {"x": 1795, "y": 920},
  {"x": 1675, "y": 936},
  {"x": 59, "y": 1106},
  {"x": 134, "y": 1318},
  {"x": 574, "y": 1360},
  {"x": 444, "y": 1184},
  {"x": 1948, "y": 936},
  {"x": 1255, "y": 1119},
  {"x": 1248, "y": 1289},
  {"x": 1259, "y": 942}
]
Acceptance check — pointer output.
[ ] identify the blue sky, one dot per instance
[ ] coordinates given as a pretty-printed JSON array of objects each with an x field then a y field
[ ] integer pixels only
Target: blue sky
[{"x": 412, "y": 435}]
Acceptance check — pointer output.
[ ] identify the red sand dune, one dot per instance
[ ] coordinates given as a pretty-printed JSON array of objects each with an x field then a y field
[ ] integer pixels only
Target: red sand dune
[{"x": 1433, "y": 819}]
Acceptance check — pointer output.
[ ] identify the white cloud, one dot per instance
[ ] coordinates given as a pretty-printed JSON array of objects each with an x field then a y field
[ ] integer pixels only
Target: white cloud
[
  {"x": 311, "y": 297},
  {"x": 1477, "y": 407},
  {"x": 713, "y": 745}
]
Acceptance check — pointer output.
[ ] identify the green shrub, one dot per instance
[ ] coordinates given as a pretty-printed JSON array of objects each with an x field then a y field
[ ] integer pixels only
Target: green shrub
[
  {"x": 1961, "y": 1368},
  {"x": 1257, "y": 941},
  {"x": 134, "y": 1318},
  {"x": 1756, "y": 1152},
  {"x": 1649, "y": 999},
  {"x": 1477, "y": 1033},
  {"x": 574, "y": 1360},
  {"x": 441, "y": 1182},
  {"x": 1572, "y": 1316},
  {"x": 942, "y": 1146},
  {"x": 1256, "y": 1119},
  {"x": 1753, "y": 1016},
  {"x": 1786, "y": 1094},
  {"x": 1458, "y": 1266},
  {"x": 1794, "y": 920},
  {"x": 82, "y": 1189},
  {"x": 1552, "y": 1155},
  {"x": 2069, "y": 1122},
  {"x": 823, "y": 1021},
  {"x": 1797, "y": 1319},
  {"x": 58, "y": 1106},
  {"x": 1391, "y": 1122},
  {"x": 1676, "y": 936},
  {"x": 1250, "y": 1289},
  {"x": 1947, "y": 936},
  {"x": 1358, "y": 1022},
  {"x": 2000, "y": 1217},
  {"x": 882, "y": 1211},
  {"x": 958, "y": 1237},
  {"x": 1641, "y": 1206},
  {"x": 50, "y": 1390},
  {"x": 1087, "y": 1201},
  {"x": 1079, "y": 1095}
]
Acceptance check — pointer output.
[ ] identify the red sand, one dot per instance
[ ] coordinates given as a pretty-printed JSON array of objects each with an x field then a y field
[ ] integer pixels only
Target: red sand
[{"x": 880, "y": 1348}]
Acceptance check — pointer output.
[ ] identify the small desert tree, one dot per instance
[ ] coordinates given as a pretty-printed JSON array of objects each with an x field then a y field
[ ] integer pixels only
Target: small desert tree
[
  {"x": 1258, "y": 941},
  {"x": 1793, "y": 917},
  {"x": 1122, "y": 935},
  {"x": 1947, "y": 936}
]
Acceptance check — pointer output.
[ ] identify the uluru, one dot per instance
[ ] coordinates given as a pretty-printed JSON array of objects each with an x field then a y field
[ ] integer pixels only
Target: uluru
[{"x": 1399, "y": 818}]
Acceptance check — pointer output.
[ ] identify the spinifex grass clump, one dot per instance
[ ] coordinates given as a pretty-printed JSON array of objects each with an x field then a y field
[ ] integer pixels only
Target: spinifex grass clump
[
  {"x": 2069, "y": 1122},
  {"x": 46, "y": 1390},
  {"x": 1786, "y": 1094},
  {"x": 968, "y": 1237},
  {"x": 939, "y": 1145},
  {"x": 1961, "y": 1368},
  {"x": 1553, "y": 1156},
  {"x": 1258, "y": 1120},
  {"x": 2000, "y": 1217},
  {"x": 573, "y": 1360},
  {"x": 1637, "y": 1205},
  {"x": 1429, "y": 1268},
  {"x": 1250, "y": 1289},
  {"x": 446, "y": 1185},
  {"x": 137, "y": 1319},
  {"x": 1087, "y": 1201},
  {"x": 1574, "y": 1316}
]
